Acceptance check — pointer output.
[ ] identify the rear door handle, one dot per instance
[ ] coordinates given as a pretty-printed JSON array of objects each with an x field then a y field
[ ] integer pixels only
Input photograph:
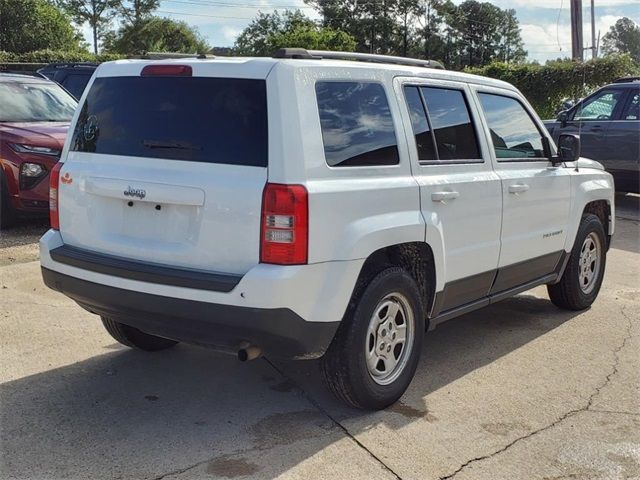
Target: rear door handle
[
  {"x": 518, "y": 188},
  {"x": 442, "y": 196}
]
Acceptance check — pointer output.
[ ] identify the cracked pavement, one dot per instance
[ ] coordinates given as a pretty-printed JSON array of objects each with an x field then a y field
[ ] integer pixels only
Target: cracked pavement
[{"x": 517, "y": 390}]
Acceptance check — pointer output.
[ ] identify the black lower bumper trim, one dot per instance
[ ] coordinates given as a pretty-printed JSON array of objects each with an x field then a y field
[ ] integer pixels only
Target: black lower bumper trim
[
  {"x": 279, "y": 332},
  {"x": 145, "y": 272}
]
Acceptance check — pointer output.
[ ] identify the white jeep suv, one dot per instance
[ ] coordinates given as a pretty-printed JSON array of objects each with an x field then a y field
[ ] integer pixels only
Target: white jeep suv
[{"x": 308, "y": 206}]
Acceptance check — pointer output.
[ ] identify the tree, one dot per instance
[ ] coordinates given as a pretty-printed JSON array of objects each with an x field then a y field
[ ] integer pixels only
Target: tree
[
  {"x": 313, "y": 38},
  {"x": 623, "y": 37},
  {"x": 254, "y": 40},
  {"x": 373, "y": 23},
  {"x": 156, "y": 34},
  {"x": 28, "y": 25},
  {"x": 135, "y": 11},
  {"x": 97, "y": 13},
  {"x": 472, "y": 33},
  {"x": 481, "y": 33},
  {"x": 511, "y": 47}
]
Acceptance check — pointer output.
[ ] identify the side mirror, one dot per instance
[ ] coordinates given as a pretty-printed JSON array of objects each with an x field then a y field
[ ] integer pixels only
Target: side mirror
[
  {"x": 568, "y": 147},
  {"x": 563, "y": 117}
]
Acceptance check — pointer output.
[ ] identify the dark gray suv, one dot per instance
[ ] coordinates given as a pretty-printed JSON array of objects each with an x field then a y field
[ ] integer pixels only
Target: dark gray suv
[{"x": 608, "y": 122}]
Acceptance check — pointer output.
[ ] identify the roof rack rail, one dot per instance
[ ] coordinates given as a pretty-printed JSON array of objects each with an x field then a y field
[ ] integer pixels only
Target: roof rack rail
[
  {"x": 626, "y": 79},
  {"x": 303, "y": 53},
  {"x": 71, "y": 64},
  {"x": 168, "y": 55}
]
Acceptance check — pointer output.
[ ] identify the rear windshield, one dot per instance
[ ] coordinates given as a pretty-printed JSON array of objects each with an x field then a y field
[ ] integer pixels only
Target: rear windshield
[{"x": 215, "y": 120}]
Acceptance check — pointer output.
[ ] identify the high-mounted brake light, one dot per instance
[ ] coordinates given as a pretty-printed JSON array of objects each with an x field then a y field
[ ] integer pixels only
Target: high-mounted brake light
[
  {"x": 284, "y": 229},
  {"x": 54, "y": 181},
  {"x": 167, "y": 71}
]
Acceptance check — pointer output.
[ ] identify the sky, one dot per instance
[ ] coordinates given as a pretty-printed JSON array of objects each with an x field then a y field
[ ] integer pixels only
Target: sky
[{"x": 545, "y": 26}]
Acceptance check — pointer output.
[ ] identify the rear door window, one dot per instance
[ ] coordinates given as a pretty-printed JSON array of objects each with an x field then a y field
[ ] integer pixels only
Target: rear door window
[
  {"x": 357, "y": 127},
  {"x": 449, "y": 116},
  {"x": 420, "y": 124},
  {"x": 200, "y": 119},
  {"x": 442, "y": 125},
  {"x": 632, "y": 111}
]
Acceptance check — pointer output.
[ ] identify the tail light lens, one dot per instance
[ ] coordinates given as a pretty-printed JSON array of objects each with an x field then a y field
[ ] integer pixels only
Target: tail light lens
[
  {"x": 54, "y": 181},
  {"x": 285, "y": 224}
]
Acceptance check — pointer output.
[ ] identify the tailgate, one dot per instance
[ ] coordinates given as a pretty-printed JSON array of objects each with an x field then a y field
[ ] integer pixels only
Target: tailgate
[{"x": 169, "y": 170}]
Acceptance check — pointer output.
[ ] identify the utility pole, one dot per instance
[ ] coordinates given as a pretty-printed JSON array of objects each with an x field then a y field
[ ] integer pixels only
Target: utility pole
[
  {"x": 594, "y": 47},
  {"x": 577, "y": 45}
]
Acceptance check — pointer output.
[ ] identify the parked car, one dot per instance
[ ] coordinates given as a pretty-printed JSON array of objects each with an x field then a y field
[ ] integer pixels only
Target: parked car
[
  {"x": 34, "y": 119},
  {"x": 308, "y": 206},
  {"x": 608, "y": 122},
  {"x": 72, "y": 76}
]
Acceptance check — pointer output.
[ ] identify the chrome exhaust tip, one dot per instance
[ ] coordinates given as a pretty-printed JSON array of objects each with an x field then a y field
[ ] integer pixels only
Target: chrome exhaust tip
[{"x": 249, "y": 353}]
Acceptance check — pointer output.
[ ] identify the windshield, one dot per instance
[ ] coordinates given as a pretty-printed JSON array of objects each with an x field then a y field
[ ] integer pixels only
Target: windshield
[{"x": 35, "y": 102}]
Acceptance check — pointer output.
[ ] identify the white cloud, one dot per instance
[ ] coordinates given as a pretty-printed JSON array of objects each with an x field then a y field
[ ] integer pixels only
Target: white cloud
[
  {"x": 548, "y": 41},
  {"x": 231, "y": 33},
  {"x": 556, "y": 3}
]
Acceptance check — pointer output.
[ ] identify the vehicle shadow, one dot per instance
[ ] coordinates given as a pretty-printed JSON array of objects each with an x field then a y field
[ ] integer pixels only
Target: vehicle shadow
[
  {"x": 126, "y": 414},
  {"x": 453, "y": 350},
  {"x": 626, "y": 236},
  {"x": 24, "y": 232}
]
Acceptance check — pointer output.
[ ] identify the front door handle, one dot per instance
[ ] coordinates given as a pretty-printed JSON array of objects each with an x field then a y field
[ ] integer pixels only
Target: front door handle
[
  {"x": 442, "y": 196},
  {"x": 518, "y": 188}
]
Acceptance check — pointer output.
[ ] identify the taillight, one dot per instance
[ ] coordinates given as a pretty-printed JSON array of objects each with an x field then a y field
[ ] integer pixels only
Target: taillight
[
  {"x": 285, "y": 224},
  {"x": 54, "y": 180},
  {"x": 167, "y": 71}
]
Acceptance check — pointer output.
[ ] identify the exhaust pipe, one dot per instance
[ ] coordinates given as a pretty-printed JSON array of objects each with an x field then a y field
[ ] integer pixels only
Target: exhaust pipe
[{"x": 250, "y": 352}]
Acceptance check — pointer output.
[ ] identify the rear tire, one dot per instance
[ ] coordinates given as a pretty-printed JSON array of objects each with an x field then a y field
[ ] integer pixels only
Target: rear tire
[
  {"x": 134, "y": 338},
  {"x": 369, "y": 365},
  {"x": 583, "y": 275}
]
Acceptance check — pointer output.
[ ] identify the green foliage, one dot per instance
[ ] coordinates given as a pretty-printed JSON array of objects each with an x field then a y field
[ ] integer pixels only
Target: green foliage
[
  {"x": 313, "y": 38},
  {"x": 481, "y": 33},
  {"x": 623, "y": 37},
  {"x": 27, "y": 25},
  {"x": 472, "y": 33},
  {"x": 97, "y": 13},
  {"x": 135, "y": 11},
  {"x": 156, "y": 34},
  {"x": 545, "y": 86},
  {"x": 51, "y": 56},
  {"x": 255, "y": 39}
]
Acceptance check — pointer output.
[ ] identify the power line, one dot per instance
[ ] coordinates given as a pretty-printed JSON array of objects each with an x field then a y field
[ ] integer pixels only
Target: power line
[
  {"x": 213, "y": 3},
  {"x": 204, "y": 15}
]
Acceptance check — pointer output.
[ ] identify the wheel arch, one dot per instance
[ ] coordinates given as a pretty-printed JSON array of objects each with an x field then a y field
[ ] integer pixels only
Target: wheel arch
[
  {"x": 416, "y": 258},
  {"x": 596, "y": 196}
]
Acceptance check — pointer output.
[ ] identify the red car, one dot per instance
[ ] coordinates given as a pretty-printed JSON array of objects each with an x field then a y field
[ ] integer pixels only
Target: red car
[{"x": 34, "y": 118}]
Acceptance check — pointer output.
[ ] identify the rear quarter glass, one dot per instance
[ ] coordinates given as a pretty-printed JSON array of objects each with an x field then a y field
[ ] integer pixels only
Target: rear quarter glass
[{"x": 200, "y": 119}]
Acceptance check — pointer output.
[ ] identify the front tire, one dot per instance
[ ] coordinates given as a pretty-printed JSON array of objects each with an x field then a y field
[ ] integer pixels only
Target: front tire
[
  {"x": 376, "y": 350},
  {"x": 134, "y": 338},
  {"x": 7, "y": 215},
  {"x": 583, "y": 275}
]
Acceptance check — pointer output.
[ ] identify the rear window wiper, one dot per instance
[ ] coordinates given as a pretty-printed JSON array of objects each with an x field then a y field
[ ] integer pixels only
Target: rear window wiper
[{"x": 173, "y": 145}]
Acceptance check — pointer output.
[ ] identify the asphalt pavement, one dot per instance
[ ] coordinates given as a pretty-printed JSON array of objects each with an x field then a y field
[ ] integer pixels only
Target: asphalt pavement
[{"x": 519, "y": 390}]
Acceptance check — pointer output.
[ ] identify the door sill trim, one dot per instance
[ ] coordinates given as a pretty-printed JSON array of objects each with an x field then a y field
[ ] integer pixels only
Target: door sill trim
[{"x": 490, "y": 300}]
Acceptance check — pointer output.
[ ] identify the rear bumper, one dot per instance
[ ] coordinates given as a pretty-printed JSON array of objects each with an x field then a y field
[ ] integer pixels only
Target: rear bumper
[
  {"x": 279, "y": 332},
  {"x": 288, "y": 311}
]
